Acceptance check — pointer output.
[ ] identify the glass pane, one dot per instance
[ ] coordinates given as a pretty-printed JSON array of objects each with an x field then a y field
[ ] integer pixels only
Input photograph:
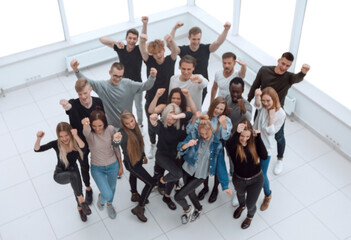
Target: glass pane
[
  {"x": 325, "y": 45},
  {"x": 267, "y": 24},
  {"x": 223, "y": 12},
  {"x": 85, "y": 16},
  {"x": 145, "y": 8},
  {"x": 29, "y": 24}
]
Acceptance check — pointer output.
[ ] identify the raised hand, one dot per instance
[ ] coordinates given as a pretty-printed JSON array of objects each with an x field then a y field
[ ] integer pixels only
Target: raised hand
[
  {"x": 145, "y": 19},
  {"x": 143, "y": 37},
  {"x": 85, "y": 121},
  {"x": 63, "y": 102},
  {"x": 153, "y": 72},
  {"x": 258, "y": 92},
  {"x": 179, "y": 24},
  {"x": 195, "y": 78},
  {"x": 241, "y": 63},
  {"x": 256, "y": 132},
  {"x": 74, "y": 132},
  {"x": 168, "y": 38},
  {"x": 241, "y": 104},
  {"x": 240, "y": 127},
  {"x": 305, "y": 68},
  {"x": 227, "y": 25},
  {"x": 120, "y": 45},
  {"x": 117, "y": 136},
  {"x": 160, "y": 92},
  {"x": 222, "y": 120},
  {"x": 40, "y": 134},
  {"x": 271, "y": 113},
  {"x": 74, "y": 65},
  {"x": 185, "y": 92},
  {"x": 153, "y": 117}
]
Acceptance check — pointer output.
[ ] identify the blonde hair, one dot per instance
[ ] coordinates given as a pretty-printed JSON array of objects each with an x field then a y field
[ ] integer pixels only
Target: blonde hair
[
  {"x": 135, "y": 144},
  {"x": 80, "y": 84},
  {"x": 171, "y": 108},
  {"x": 205, "y": 124},
  {"x": 274, "y": 95},
  {"x": 65, "y": 127}
]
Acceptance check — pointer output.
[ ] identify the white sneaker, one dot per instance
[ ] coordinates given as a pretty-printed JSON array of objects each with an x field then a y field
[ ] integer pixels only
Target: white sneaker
[
  {"x": 278, "y": 167},
  {"x": 235, "y": 201},
  {"x": 152, "y": 151}
]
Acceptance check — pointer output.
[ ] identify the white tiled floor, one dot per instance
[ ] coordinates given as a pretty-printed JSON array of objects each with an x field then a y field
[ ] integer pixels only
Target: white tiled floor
[{"x": 311, "y": 198}]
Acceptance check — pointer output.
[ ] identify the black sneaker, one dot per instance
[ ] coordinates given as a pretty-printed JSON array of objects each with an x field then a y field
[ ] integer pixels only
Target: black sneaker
[
  {"x": 195, "y": 215},
  {"x": 89, "y": 196},
  {"x": 161, "y": 188},
  {"x": 82, "y": 215},
  {"x": 169, "y": 203}
]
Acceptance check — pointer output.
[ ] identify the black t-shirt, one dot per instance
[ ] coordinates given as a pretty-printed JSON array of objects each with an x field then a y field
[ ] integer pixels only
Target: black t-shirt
[
  {"x": 164, "y": 73},
  {"x": 202, "y": 56},
  {"x": 169, "y": 137},
  {"x": 78, "y": 112},
  {"x": 131, "y": 61}
]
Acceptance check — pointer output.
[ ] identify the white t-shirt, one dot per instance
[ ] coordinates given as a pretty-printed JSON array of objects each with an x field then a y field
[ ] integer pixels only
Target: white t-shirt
[{"x": 223, "y": 83}]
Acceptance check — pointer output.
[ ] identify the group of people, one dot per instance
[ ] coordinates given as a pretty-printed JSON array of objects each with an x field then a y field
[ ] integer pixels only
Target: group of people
[{"x": 186, "y": 143}]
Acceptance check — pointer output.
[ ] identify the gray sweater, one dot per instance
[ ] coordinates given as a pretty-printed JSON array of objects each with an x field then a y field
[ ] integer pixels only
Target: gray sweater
[{"x": 117, "y": 98}]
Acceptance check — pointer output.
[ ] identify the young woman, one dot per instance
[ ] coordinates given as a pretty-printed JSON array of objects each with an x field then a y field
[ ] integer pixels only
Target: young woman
[
  {"x": 170, "y": 130},
  {"x": 203, "y": 155},
  {"x": 105, "y": 165},
  {"x": 69, "y": 148},
  {"x": 269, "y": 120},
  {"x": 222, "y": 126},
  {"x": 132, "y": 143},
  {"x": 246, "y": 150}
]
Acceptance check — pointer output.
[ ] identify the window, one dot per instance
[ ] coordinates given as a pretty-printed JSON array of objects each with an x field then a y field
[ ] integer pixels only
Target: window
[
  {"x": 85, "y": 16},
  {"x": 145, "y": 8},
  {"x": 223, "y": 12},
  {"x": 325, "y": 45},
  {"x": 267, "y": 24},
  {"x": 29, "y": 24}
]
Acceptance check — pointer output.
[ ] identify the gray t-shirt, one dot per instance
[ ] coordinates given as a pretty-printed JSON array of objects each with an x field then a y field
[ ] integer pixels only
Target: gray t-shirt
[{"x": 236, "y": 115}]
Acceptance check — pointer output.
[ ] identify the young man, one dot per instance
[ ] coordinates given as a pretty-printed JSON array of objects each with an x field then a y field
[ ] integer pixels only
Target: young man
[
  {"x": 77, "y": 109},
  {"x": 117, "y": 93},
  {"x": 201, "y": 52},
  {"x": 154, "y": 57},
  {"x": 223, "y": 77},
  {"x": 239, "y": 109},
  {"x": 281, "y": 80},
  {"x": 129, "y": 55},
  {"x": 193, "y": 82}
]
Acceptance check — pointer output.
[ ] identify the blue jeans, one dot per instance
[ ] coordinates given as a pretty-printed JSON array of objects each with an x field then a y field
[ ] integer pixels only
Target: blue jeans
[
  {"x": 279, "y": 137},
  {"x": 106, "y": 179},
  {"x": 264, "y": 166}
]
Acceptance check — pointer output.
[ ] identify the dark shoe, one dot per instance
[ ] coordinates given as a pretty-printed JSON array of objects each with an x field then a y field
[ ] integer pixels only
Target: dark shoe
[
  {"x": 213, "y": 196},
  {"x": 246, "y": 223},
  {"x": 169, "y": 203},
  {"x": 85, "y": 208},
  {"x": 161, "y": 188},
  {"x": 202, "y": 193},
  {"x": 83, "y": 217},
  {"x": 139, "y": 212},
  {"x": 135, "y": 197},
  {"x": 195, "y": 215},
  {"x": 88, "y": 196},
  {"x": 238, "y": 211}
]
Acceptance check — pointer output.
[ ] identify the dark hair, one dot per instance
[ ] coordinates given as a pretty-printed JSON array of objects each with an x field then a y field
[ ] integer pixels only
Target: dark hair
[
  {"x": 250, "y": 144},
  {"x": 98, "y": 115},
  {"x": 194, "y": 31},
  {"x": 212, "y": 107},
  {"x": 188, "y": 59},
  {"x": 182, "y": 98},
  {"x": 132, "y": 31},
  {"x": 117, "y": 65},
  {"x": 288, "y": 55},
  {"x": 237, "y": 80},
  {"x": 229, "y": 55}
]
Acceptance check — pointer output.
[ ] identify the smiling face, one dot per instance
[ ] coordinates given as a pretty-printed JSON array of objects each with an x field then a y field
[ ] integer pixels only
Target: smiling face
[
  {"x": 176, "y": 98},
  {"x": 131, "y": 39},
  {"x": 170, "y": 120},
  {"x": 159, "y": 56},
  {"x": 195, "y": 40},
  {"x": 84, "y": 95},
  {"x": 244, "y": 137},
  {"x": 186, "y": 70},
  {"x": 98, "y": 126},
  {"x": 64, "y": 137},
  {"x": 116, "y": 76},
  {"x": 129, "y": 123},
  {"x": 283, "y": 66},
  {"x": 219, "y": 109},
  {"x": 236, "y": 91},
  {"x": 267, "y": 101}
]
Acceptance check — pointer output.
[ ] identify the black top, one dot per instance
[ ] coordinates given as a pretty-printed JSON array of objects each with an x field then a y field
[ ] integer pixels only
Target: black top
[
  {"x": 169, "y": 137},
  {"x": 124, "y": 144},
  {"x": 248, "y": 168},
  {"x": 164, "y": 73},
  {"x": 72, "y": 157},
  {"x": 78, "y": 112},
  {"x": 131, "y": 61},
  {"x": 202, "y": 56}
]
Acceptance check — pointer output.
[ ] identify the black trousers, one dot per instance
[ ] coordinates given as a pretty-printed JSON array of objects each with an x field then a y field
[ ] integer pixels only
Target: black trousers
[{"x": 71, "y": 176}]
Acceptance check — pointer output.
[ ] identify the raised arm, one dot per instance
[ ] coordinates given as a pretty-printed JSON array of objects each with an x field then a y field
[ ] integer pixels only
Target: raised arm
[
  {"x": 40, "y": 135},
  {"x": 172, "y": 46},
  {"x": 242, "y": 72},
  {"x": 152, "y": 107},
  {"x": 191, "y": 102},
  {"x": 216, "y": 44},
  {"x": 145, "y": 21},
  {"x": 80, "y": 142},
  {"x": 142, "y": 47},
  {"x": 143, "y": 86},
  {"x": 214, "y": 91},
  {"x": 258, "y": 94},
  {"x": 174, "y": 29},
  {"x": 108, "y": 41},
  {"x": 256, "y": 84},
  {"x": 65, "y": 104}
]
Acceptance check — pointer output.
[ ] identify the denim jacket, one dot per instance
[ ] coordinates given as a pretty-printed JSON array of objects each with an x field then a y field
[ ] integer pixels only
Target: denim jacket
[{"x": 217, "y": 163}]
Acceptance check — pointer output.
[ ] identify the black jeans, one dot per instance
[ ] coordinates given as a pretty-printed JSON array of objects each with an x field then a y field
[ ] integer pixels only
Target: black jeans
[
  {"x": 190, "y": 184},
  {"x": 71, "y": 176},
  {"x": 252, "y": 188},
  {"x": 84, "y": 167},
  {"x": 138, "y": 171},
  {"x": 172, "y": 165},
  {"x": 152, "y": 134}
]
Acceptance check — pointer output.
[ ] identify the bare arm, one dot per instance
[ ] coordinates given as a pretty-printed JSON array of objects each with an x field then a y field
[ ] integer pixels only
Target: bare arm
[
  {"x": 174, "y": 29},
  {"x": 152, "y": 107},
  {"x": 258, "y": 94},
  {"x": 142, "y": 47},
  {"x": 80, "y": 142},
  {"x": 108, "y": 41},
  {"x": 172, "y": 46},
  {"x": 145, "y": 20},
  {"x": 40, "y": 135},
  {"x": 242, "y": 72},
  {"x": 216, "y": 44},
  {"x": 214, "y": 91},
  {"x": 65, "y": 104}
]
